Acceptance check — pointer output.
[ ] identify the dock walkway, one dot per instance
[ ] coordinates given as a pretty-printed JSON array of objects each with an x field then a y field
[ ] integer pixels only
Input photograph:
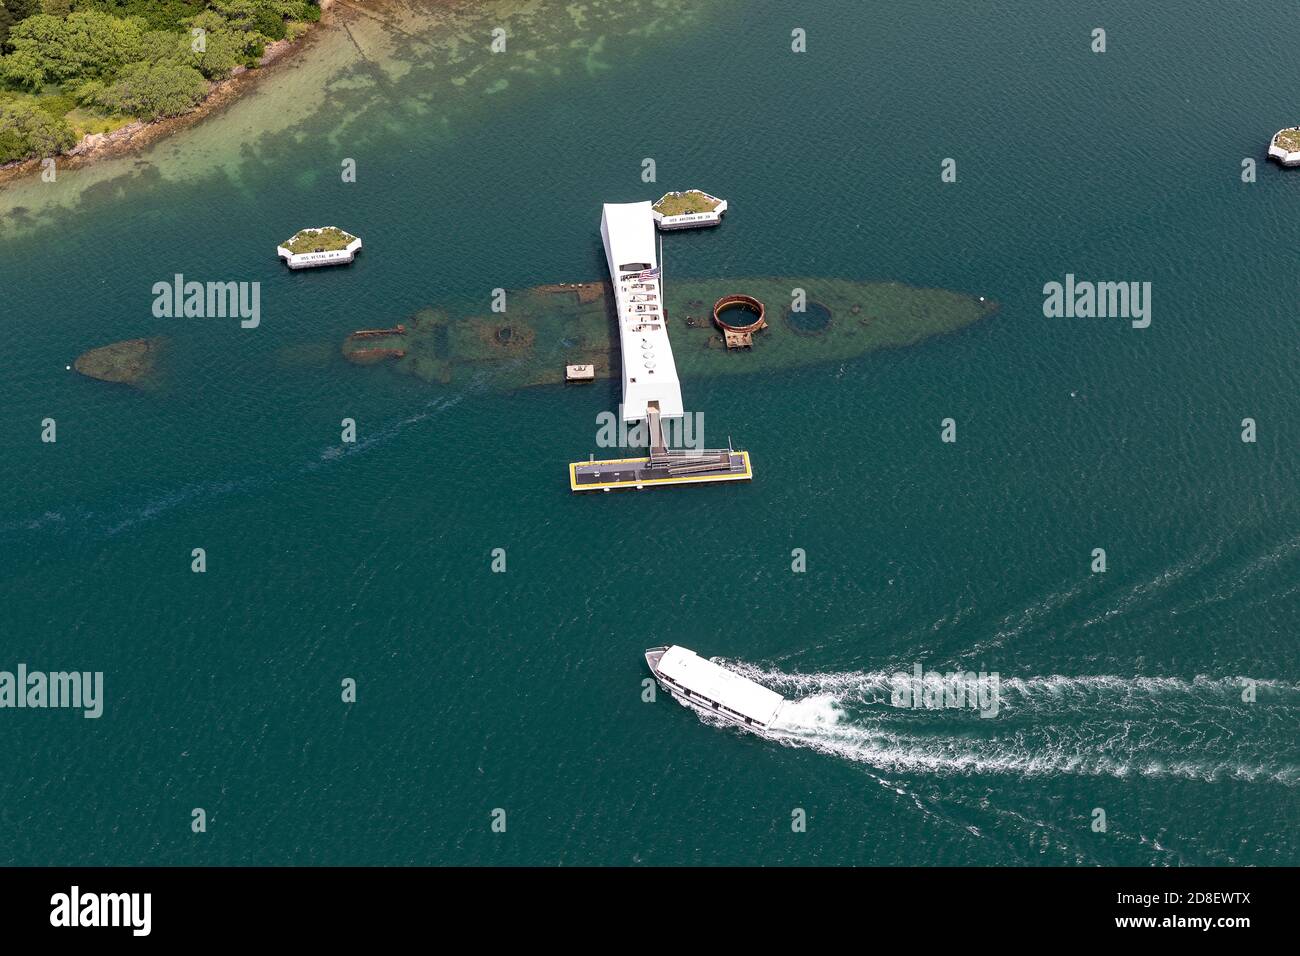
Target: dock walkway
[{"x": 651, "y": 389}]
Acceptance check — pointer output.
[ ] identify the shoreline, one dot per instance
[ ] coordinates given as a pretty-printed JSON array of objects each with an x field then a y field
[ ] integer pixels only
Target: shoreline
[{"x": 140, "y": 134}]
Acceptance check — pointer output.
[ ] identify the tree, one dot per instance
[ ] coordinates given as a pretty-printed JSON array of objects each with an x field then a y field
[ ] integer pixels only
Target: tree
[
  {"x": 22, "y": 9},
  {"x": 50, "y": 49},
  {"x": 27, "y": 64},
  {"x": 259, "y": 16},
  {"x": 223, "y": 48},
  {"x": 150, "y": 90},
  {"x": 26, "y": 131},
  {"x": 6, "y": 22},
  {"x": 158, "y": 14}
]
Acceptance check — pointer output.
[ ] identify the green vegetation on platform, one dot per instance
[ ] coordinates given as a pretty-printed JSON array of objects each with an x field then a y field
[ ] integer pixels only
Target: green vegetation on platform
[
  {"x": 1289, "y": 139},
  {"x": 70, "y": 67},
  {"x": 679, "y": 204},
  {"x": 329, "y": 239}
]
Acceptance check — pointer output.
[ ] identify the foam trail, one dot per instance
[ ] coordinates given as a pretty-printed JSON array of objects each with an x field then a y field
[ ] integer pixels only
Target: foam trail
[
  {"x": 1143, "y": 595},
  {"x": 875, "y": 687},
  {"x": 1101, "y": 725},
  {"x": 1236, "y": 579},
  {"x": 922, "y": 755}
]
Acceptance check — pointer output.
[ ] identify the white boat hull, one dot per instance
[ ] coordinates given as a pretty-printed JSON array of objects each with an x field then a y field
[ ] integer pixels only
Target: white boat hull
[
  {"x": 702, "y": 704},
  {"x": 714, "y": 712}
]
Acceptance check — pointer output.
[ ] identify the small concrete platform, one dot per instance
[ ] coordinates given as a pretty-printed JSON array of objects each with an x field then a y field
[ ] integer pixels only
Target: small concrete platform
[
  {"x": 580, "y": 373},
  {"x": 638, "y": 473}
]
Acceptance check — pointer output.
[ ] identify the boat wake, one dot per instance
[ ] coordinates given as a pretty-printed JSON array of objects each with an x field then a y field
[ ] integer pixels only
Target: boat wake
[
  {"x": 1100, "y": 725},
  {"x": 109, "y": 524}
]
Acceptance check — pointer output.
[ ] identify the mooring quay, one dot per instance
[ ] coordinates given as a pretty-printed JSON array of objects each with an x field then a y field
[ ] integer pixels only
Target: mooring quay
[{"x": 651, "y": 390}]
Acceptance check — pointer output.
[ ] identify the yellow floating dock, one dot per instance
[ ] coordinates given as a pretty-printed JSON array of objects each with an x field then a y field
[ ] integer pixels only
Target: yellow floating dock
[{"x": 638, "y": 473}]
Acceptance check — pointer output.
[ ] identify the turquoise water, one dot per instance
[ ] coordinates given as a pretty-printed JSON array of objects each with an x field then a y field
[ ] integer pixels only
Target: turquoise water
[{"x": 522, "y": 690}]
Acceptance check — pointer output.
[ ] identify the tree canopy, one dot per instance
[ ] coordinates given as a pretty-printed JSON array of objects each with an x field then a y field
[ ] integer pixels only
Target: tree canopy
[
  {"x": 132, "y": 58},
  {"x": 49, "y": 49},
  {"x": 149, "y": 90},
  {"x": 27, "y": 130}
]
